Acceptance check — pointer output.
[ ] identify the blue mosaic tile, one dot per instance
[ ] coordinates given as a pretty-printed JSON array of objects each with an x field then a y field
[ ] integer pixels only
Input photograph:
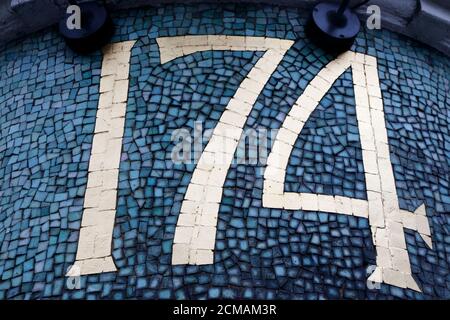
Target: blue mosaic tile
[{"x": 48, "y": 106}]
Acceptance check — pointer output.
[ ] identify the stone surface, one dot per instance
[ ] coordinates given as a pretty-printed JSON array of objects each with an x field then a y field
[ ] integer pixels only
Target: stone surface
[{"x": 50, "y": 108}]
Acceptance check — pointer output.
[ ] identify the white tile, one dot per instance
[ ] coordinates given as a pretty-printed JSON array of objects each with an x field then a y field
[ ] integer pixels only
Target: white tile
[
  {"x": 379, "y": 127},
  {"x": 122, "y": 71},
  {"x": 218, "y": 144},
  {"x": 335, "y": 68},
  {"x": 309, "y": 201},
  {"x": 329, "y": 74},
  {"x": 96, "y": 162},
  {"x": 382, "y": 149},
  {"x": 112, "y": 154},
  {"x": 106, "y": 83},
  {"x": 376, "y": 276},
  {"x": 92, "y": 197},
  {"x": 305, "y": 103},
  {"x": 381, "y": 237},
  {"x": 281, "y": 148},
  {"x": 375, "y": 103},
  {"x": 211, "y": 209},
  {"x": 273, "y": 200},
  {"x": 408, "y": 220},
  {"x": 367, "y": 143},
  {"x": 209, "y": 219},
  {"x": 204, "y": 257},
  {"x": 370, "y": 161},
  {"x": 272, "y": 57},
  {"x": 217, "y": 176},
  {"x": 395, "y": 278},
  {"x": 257, "y": 74},
  {"x": 189, "y": 207},
  {"x": 360, "y": 208},
  {"x": 239, "y": 107},
  {"x": 391, "y": 206},
  {"x": 396, "y": 235},
  {"x": 94, "y": 265},
  {"x": 104, "y": 101},
  {"x": 422, "y": 225},
  {"x": 277, "y": 161},
  {"x": 120, "y": 91},
  {"x": 376, "y": 213},
  {"x": 180, "y": 253},
  {"x": 370, "y": 60},
  {"x": 186, "y": 220},
  {"x": 273, "y": 187},
  {"x": 411, "y": 283},
  {"x": 343, "y": 205},
  {"x": 236, "y": 42},
  {"x": 206, "y": 161},
  {"x": 118, "y": 110},
  {"x": 255, "y": 42},
  {"x": 384, "y": 258},
  {"x": 359, "y": 78},
  {"x": 200, "y": 176},
  {"x": 274, "y": 174},
  {"x": 374, "y": 91},
  {"x": 363, "y": 114},
  {"x": 360, "y": 58},
  {"x": 102, "y": 220},
  {"x": 245, "y": 96},
  {"x": 95, "y": 179},
  {"x": 253, "y": 85},
  {"x": 100, "y": 142},
  {"x": 365, "y": 130},
  {"x": 313, "y": 93},
  {"x": 373, "y": 182},
  {"x": 293, "y": 124},
  {"x": 372, "y": 75},
  {"x": 108, "y": 199},
  {"x": 292, "y": 201},
  {"x": 85, "y": 248},
  {"x": 361, "y": 96},
  {"x": 108, "y": 66},
  {"x": 348, "y": 56},
  {"x": 213, "y": 194},
  {"x": 400, "y": 260},
  {"x": 327, "y": 203},
  {"x": 102, "y": 247},
  {"x": 204, "y": 237},
  {"x": 117, "y": 127},
  {"x": 227, "y": 130},
  {"x": 233, "y": 118},
  {"x": 386, "y": 175},
  {"x": 183, "y": 234},
  {"x": 427, "y": 240},
  {"x": 110, "y": 179},
  {"x": 287, "y": 136},
  {"x": 320, "y": 84}
]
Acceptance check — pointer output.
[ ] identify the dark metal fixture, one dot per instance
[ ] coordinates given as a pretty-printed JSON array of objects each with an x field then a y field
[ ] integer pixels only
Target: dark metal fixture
[
  {"x": 96, "y": 28},
  {"x": 333, "y": 26}
]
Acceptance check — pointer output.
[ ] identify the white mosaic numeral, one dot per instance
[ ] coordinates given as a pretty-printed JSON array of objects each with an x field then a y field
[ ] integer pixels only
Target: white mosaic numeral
[
  {"x": 195, "y": 233},
  {"x": 99, "y": 210},
  {"x": 386, "y": 219}
]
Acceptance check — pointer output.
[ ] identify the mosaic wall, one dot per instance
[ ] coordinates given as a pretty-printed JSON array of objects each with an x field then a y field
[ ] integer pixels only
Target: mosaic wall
[{"x": 52, "y": 105}]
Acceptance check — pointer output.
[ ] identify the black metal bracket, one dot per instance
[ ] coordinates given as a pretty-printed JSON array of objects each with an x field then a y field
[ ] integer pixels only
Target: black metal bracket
[
  {"x": 333, "y": 27},
  {"x": 96, "y": 28}
]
